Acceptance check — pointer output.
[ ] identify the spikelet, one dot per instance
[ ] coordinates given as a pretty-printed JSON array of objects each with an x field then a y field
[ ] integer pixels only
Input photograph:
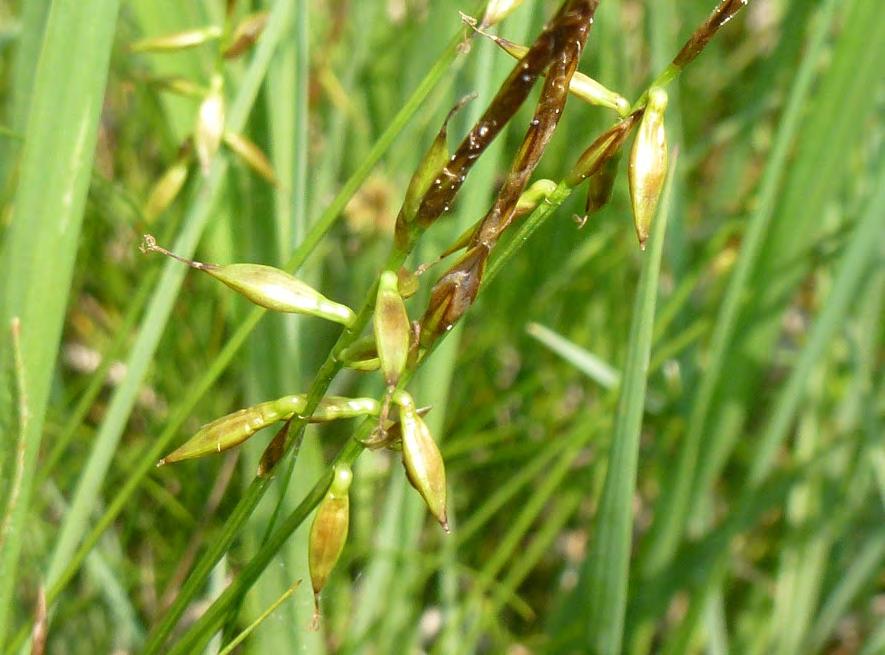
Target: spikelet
[
  {"x": 424, "y": 464},
  {"x": 266, "y": 286},
  {"x": 328, "y": 533},
  {"x": 648, "y": 164}
]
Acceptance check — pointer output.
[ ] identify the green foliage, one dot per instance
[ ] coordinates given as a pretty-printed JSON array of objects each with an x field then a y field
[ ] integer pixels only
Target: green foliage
[{"x": 677, "y": 450}]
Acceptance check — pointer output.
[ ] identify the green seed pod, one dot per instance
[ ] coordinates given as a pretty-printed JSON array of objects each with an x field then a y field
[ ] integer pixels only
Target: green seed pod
[
  {"x": 178, "y": 85},
  {"x": 251, "y": 154},
  {"x": 233, "y": 429},
  {"x": 334, "y": 408},
  {"x": 266, "y": 286},
  {"x": 166, "y": 189},
  {"x": 533, "y": 196},
  {"x": 177, "y": 41},
  {"x": 210, "y": 125},
  {"x": 245, "y": 35},
  {"x": 648, "y": 163},
  {"x": 424, "y": 464},
  {"x": 407, "y": 282},
  {"x": 391, "y": 329},
  {"x": 328, "y": 533},
  {"x": 275, "y": 289}
]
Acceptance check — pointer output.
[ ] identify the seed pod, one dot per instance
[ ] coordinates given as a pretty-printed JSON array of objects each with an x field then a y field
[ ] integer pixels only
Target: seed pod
[
  {"x": 245, "y": 35},
  {"x": 166, "y": 189},
  {"x": 424, "y": 464},
  {"x": 391, "y": 329},
  {"x": 210, "y": 125},
  {"x": 407, "y": 282},
  {"x": 428, "y": 172},
  {"x": 179, "y": 86},
  {"x": 177, "y": 41},
  {"x": 266, "y": 286},
  {"x": 581, "y": 86},
  {"x": 498, "y": 10},
  {"x": 334, "y": 408},
  {"x": 233, "y": 429},
  {"x": 251, "y": 154},
  {"x": 606, "y": 146},
  {"x": 534, "y": 195},
  {"x": 329, "y": 530},
  {"x": 599, "y": 191},
  {"x": 648, "y": 163}
]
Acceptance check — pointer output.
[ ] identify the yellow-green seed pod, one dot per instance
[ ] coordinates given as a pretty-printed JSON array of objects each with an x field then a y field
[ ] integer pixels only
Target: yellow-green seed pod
[
  {"x": 245, "y": 35},
  {"x": 177, "y": 41},
  {"x": 210, "y": 125},
  {"x": 538, "y": 192},
  {"x": 266, "y": 286},
  {"x": 391, "y": 329},
  {"x": 179, "y": 85},
  {"x": 407, "y": 282},
  {"x": 498, "y": 10},
  {"x": 424, "y": 464},
  {"x": 581, "y": 86},
  {"x": 648, "y": 163},
  {"x": 233, "y": 429},
  {"x": 328, "y": 533},
  {"x": 251, "y": 154},
  {"x": 436, "y": 157},
  {"x": 166, "y": 190},
  {"x": 275, "y": 289},
  {"x": 334, "y": 408}
]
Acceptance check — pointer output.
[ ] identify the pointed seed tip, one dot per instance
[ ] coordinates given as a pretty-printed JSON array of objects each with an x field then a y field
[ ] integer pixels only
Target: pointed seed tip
[{"x": 161, "y": 462}]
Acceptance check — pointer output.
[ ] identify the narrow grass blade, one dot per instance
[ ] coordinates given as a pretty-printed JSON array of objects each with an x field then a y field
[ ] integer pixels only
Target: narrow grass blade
[
  {"x": 672, "y": 512},
  {"x": 157, "y": 314},
  {"x": 40, "y": 244},
  {"x": 606, "y": 569},
  {"x": 236, "y": 641}
]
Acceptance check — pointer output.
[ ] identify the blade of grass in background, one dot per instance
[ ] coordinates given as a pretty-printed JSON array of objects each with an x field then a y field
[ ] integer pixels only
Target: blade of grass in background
[
  {"x": 836, "y": 121},
  {"x": 606, "y": 569},
  {"x": 159, "y": 307},
  {"x": 853, "y": 265},
  {"x": 673, "y": 507},
  {"x": 40, "y": 245}
]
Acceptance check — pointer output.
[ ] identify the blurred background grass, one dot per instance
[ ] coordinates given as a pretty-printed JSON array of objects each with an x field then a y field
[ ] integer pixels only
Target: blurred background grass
[{"x": 758, "y": 516}]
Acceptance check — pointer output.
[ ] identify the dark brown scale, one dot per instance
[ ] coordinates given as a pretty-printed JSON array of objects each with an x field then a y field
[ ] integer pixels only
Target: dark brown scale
[
  {"x": 504, "y": 105},
  {"x": 723, "y": 13},
  {"x": 570, "y": 38},
  {"x": 456, "y": 290}
]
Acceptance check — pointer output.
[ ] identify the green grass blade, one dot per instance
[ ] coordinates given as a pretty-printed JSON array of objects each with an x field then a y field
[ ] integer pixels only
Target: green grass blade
[
  {"x": 606, "y": 569},
  {"x": 40, "y": 244},
  {"x": 157, "y": 313},
  {"x": 671, "y": 516}
]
